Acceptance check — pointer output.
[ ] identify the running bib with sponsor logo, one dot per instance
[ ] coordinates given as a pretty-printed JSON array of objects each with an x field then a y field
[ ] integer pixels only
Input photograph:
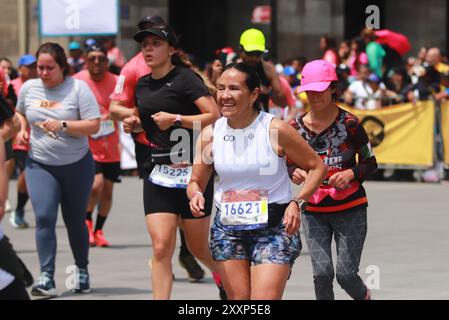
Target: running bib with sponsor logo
[
  {"x": 171, "y": 176},
  {"x": 107, "y": 127},
  {"x": 244, "y": 209}
]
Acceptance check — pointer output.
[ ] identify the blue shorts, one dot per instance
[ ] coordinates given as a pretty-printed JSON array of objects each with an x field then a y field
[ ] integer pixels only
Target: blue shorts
[{"x": 262, "y": 246}]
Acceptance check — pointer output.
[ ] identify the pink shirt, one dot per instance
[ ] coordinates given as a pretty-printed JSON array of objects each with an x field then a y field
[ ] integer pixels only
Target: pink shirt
[
  {"x": 126, "y": 85},
  {"x": 104, "y": 144}
]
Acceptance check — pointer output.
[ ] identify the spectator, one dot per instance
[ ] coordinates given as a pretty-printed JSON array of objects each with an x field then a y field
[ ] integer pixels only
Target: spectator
[
  {"x": 75, "y": 60},
  {"x": 357, "y": 56},
  {"x": 329, "y": 46},
  {"x": 90, "y": 42},
  {"x": 115, "y": 56},
  {"x": 298, "y": 63},
  {"x": 374, "y": 51},
  {"x": 8, "y": 69},
  {"x": 291, "y": 76},
  {"x": 344, "y": 50},
  {"x": 213, "y": 71},
  {"x": 427, "y": 85},
  {"x": 399, "y": 86},
  {"x": 27, "y": 70},
  {"x": 343, "y": 75},
  {"x": 434, "y": 59},
  {"x": 361, "y": 93}
]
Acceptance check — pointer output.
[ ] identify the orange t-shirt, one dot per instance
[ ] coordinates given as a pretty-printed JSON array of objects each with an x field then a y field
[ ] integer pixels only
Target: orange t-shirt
[
  {"x": 126, "y": 86},
  {"x": 105, "y": 143}
]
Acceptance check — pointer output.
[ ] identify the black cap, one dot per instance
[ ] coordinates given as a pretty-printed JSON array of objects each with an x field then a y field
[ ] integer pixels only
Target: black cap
[
  {"x": 150, "y": 19},
  {"x": 163, "y": 32},
  {"x": 96, "y": 48}
]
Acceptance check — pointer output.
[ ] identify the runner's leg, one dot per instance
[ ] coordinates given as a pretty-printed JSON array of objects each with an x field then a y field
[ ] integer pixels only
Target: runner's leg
[
  {"x": 239, "y": 271},
  {"x": 162, "y": 229},
  {"x": 268, "y": 281}
]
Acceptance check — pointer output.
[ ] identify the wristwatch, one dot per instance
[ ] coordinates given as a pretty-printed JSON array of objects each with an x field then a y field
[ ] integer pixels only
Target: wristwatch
[
  {"x": 178, "y": 121},
  {"x": 64, "y": 126},
  {"x": 302, "y": 204}
]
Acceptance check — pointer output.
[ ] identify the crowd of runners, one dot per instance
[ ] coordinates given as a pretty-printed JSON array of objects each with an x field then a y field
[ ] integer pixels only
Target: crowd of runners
[{"x": 228, "y": 193}]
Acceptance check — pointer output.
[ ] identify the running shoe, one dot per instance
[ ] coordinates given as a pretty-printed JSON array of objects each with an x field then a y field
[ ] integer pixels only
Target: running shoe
[
  {"x": 194, "y": 271},
  {"x": 100, "y": 240},
  {"x": 8, "y": 207},
  {"x": 90, "y": 226},
  {"x": 45, "y": 286},
  {"x": 82, "y": 282},
  {"x": 17, "y": 219}
]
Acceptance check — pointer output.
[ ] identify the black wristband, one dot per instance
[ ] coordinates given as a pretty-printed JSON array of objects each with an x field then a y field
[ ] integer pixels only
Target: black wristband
[{"x": 356, "y": 171}]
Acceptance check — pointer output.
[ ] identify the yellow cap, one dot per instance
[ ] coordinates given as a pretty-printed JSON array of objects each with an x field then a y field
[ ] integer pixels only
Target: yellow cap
[{"x": 252, "y": 40}]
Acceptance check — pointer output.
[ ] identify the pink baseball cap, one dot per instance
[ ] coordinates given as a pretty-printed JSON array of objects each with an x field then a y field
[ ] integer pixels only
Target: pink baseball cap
[{"x": 317, "y": 75}]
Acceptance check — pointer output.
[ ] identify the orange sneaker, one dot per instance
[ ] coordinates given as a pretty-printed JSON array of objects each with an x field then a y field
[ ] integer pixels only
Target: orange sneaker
[
  {"x": 90, "y": 228},
  {"x": 100, "y": 240}
]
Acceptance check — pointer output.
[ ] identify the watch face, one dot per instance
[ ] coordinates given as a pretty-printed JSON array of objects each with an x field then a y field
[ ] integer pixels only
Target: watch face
[
  {"x": 302, "y": 205},
  {"x": 178, "y": 123}
]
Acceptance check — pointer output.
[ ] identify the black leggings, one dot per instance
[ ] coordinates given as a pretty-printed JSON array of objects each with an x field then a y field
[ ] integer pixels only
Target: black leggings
[{"x": 349, "y": 229}]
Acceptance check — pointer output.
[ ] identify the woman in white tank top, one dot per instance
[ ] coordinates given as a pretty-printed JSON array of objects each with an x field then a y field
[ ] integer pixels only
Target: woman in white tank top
[{"x": 255, "y": 236}]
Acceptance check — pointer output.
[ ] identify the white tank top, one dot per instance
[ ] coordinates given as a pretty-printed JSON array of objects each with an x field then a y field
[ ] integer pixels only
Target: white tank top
[{"x": 244, "y": 159}]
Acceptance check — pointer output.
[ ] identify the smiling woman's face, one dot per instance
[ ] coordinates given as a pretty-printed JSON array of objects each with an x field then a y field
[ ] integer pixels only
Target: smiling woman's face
[{"x": 233, "y": 95}]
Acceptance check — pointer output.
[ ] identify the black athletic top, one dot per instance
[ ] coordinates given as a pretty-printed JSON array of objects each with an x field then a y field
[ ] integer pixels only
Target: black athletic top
[{"x": 175, "y": 93}]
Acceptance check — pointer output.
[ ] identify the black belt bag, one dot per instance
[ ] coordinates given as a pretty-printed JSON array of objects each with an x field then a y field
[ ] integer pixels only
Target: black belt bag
[{"x": 164, "y": 156}]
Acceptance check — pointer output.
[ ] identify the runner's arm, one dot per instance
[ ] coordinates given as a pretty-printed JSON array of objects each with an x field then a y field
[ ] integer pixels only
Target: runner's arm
[
  {"x": 209, "y": 113},
  {"x": 201, "y": 172},
  {"x": 300, "y": 153},
  {"x": 367, "y": 163},
  {"x": 202, "y": 164},
  {"x": 119, "y": 111},
  {"x": 278, "y": 95},
  {"x": 10, "y": 127}
]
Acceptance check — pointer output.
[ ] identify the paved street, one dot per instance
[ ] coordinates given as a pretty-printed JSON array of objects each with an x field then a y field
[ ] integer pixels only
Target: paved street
[{"x": 407, "y": 243}]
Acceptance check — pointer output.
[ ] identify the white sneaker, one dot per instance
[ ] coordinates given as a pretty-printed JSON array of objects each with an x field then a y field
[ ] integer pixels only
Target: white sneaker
[
  {"x": 431, "y": 176},
  {"x": 17, "y": 220},
  {"x": 8, "y": 207}
]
